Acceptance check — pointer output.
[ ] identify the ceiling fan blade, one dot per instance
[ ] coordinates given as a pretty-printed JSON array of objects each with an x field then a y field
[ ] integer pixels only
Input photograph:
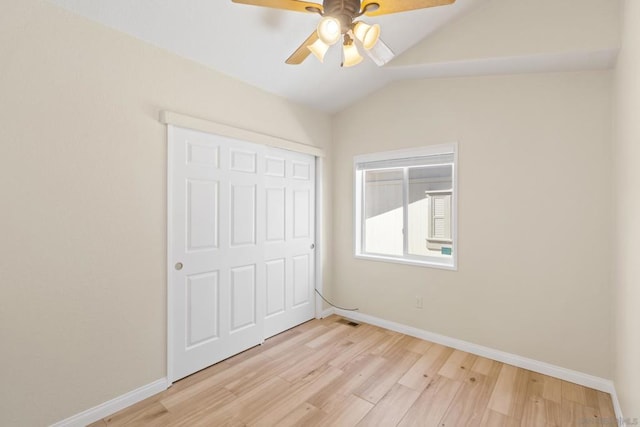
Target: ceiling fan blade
[
  {"x": 303, "y": 51},
  {"x": 295, "y": 5},
  {"x": 380, "y": 53},
  {"x": 393, "y": 6}
]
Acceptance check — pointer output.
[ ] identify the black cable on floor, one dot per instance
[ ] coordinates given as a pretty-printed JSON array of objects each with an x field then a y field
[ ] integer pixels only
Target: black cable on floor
[{"x": 333, "y": 305}]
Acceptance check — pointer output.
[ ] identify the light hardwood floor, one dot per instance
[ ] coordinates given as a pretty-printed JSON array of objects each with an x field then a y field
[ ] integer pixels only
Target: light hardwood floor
[{"x": 328, "y": 372}]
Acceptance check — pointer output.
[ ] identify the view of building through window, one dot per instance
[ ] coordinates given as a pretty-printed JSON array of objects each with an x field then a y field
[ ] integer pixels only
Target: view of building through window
[{"x": 407, "y": 208}]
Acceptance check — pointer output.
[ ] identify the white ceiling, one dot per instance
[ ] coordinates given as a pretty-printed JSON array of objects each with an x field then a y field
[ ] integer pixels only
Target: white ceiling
[{"x": 251, "y": 44}]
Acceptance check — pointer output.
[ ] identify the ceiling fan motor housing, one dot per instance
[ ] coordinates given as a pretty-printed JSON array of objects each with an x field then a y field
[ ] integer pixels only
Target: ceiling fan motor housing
[{"x": 344, "y": 11}]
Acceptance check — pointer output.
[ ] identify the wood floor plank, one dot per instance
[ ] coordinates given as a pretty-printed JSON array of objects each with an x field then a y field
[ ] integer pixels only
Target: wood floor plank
[
  {"x": 483, "y": 366},
  {"x": 582, "y": 395},
  {"x": 496, "y": 419},
  {"x": 299, "y": 393},
  {"x": 379, "y": 384},
  {"x": 194, "y": 410},
  {"x": 252, "y": 405},
  {"x": 523, "y": 378},
  {"x": 418, "y": 346},
  {"x": 329, "y": 336},
  {"x": 363, "y": 331},
  {"x": 538, "y": 410},
  {"x": 317, "y": 358},
  {"x": 471, "y": 402},
  {"x": 331, "y": 373},
  {"x": 432, "y": 403},
  {"x": 150, "y": 415},
  {"x": 343, "y": 411},
  {"x": 199, "y": 376},
  {"x": 145, "y": 415},
  {"x": 313, "y": 323},
  {"x": 391, "y": 340},
  {"x": 305, "y": 414},
  {"x": 457, "y": 365},
  {"x": 605, "y": 406},
  {"x": 220, "y": 379},
  {"x": 575, "y": 414},
  {"x": 359, "y": 346},
  {"x": 355, "y": 375},
  {"x": 503, "y": 393},
  {"x": 552, "y": 389},
  {"x": 546, "y": 413},
  {"x": 242, "y": 409},
  {"x": 294, "y": 343},
  {"x": 591, "y": 397},
  {"x": 274, "y": 367},
  {"x": 425, "y": 368},
  {"x": 541, "y": 412},
  {"x": 268, "y": 344},
  {"x": 391, "y": 408},
  {"x": 332, "y": 321}
]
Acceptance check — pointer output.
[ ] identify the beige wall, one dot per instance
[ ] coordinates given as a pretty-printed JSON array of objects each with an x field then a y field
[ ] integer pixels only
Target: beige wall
[
  {"x": 82, "y": 185},
  {"x": 626, "y": 152},
  {"x": 534, "y": 213}
]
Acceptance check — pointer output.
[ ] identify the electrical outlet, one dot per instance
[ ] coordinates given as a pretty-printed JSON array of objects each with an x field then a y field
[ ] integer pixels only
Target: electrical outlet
[{"x": 418, "y": 302}]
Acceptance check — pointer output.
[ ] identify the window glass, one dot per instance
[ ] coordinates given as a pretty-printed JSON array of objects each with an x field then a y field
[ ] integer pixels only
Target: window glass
[
  {"x": 405, "y": 206},
  {"x": 383, "y": 214},
  {"x": 429, "y": 210}
]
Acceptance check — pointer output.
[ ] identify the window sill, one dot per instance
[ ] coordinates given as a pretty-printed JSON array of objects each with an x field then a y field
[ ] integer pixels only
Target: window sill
[
  {"x": 429, "y": 263},
  {"x": 442, "y": 241}
]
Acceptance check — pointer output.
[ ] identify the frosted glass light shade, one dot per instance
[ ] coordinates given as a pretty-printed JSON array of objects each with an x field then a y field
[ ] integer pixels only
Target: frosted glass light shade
[
  {"x": 351, "y": 55},
  {"x": 329, "y": 30},
  {"x": 367, "y": 34},
  {"x": 319, "y": 49}
]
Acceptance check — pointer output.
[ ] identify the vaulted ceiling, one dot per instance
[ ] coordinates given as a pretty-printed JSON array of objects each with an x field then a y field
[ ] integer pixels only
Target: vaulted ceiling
[{"x": 470, "y": 37}]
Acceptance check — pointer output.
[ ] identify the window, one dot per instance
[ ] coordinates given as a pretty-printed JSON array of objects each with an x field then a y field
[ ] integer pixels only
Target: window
[{"x": 405, "y": 206}]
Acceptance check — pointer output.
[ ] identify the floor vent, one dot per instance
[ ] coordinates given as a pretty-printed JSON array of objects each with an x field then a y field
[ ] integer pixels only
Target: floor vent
[{"x": 349, "y": 323}]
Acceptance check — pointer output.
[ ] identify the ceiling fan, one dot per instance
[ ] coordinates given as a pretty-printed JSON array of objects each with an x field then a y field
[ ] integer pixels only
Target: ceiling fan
[{"x": 339, "y": 23}]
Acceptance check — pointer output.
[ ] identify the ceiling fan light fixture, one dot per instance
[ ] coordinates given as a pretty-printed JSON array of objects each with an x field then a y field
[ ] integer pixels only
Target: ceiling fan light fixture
[
  {"x": 371, "y": 7},
  {"x": 337, "y": 20},
  {"x": 329, "y": 30},
  {"x": 319, "y": 49},
  {"x": 351, "y": 56},
  {"x": 367, "y": 34},
  {"x": 314, "y": 9}
]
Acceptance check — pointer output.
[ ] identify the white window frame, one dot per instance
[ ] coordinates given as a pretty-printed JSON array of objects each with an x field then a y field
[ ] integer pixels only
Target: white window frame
[{"x": 450, "y": 263}]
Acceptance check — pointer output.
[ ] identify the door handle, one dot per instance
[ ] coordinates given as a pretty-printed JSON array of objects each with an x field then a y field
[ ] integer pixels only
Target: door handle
[
  {"x": 179, "y": 266},
  {"x": 313, "y": 246}
]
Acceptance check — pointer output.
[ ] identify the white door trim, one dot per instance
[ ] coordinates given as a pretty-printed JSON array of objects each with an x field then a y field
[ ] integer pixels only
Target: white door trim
[
  {"x": 208, "y": 126},
  {"x": 170, "y": 150},
  {"x": 173, "y": 120},
  {"x": 319, "y": 240}
]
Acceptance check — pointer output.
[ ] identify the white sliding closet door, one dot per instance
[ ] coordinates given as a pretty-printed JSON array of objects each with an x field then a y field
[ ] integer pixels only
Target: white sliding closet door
[
  {"x": 289, "y": 241},
  {"x": 241, "y": 238}
]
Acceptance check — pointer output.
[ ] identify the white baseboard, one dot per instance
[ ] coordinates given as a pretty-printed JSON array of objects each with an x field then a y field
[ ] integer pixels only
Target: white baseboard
[
  {"x": 575, "y": 377},
  {"x": 114, "y": 405},
  {"x": 617, "y": 409}
]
